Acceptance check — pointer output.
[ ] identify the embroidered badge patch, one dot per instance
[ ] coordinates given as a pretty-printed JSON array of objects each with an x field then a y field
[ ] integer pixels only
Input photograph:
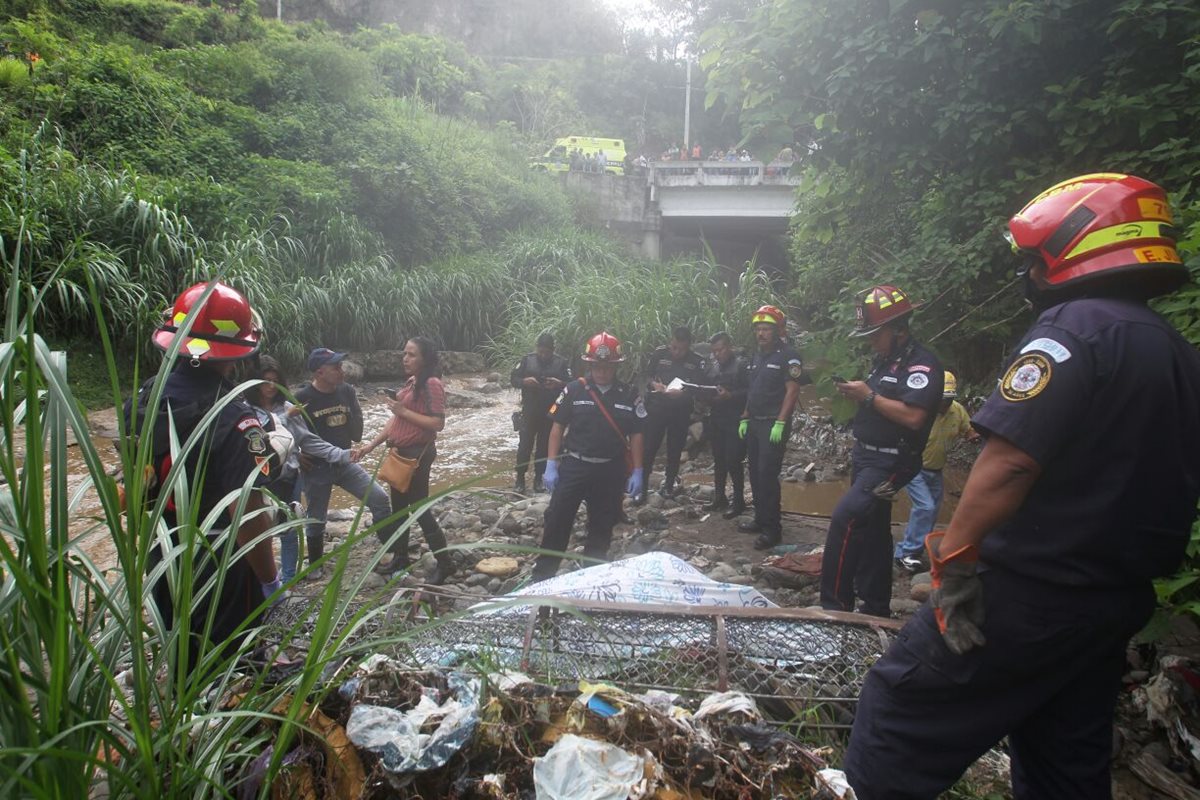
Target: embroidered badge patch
[
  {"x": 1026, "y": 378},
  {"x": 795, "y": 371},
  {"x": 255, "y": 441},
  {"x": 1049, "y": 346},
  {"x": 640, "y": 409},
  {"x": 917, "y": 380}
]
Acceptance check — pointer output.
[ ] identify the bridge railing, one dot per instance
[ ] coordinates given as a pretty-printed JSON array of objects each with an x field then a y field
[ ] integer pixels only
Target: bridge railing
[{"x": 721, "y": 173}]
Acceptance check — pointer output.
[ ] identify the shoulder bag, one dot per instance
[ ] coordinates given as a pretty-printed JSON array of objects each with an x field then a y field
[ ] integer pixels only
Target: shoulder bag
[
  {"x": 397, "y": 471},
  {"x": 604, "y": 410}
]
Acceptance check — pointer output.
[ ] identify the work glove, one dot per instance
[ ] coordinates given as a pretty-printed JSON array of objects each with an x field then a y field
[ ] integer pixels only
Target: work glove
[
  {"x": 636, "y": 482},
  {"x": 777, "y": 431},
  {"x": 957, "y": 596},
  {"x": 550, "y": 479},
  {"x": 273, "y": 589},
  {"x": 743, "y": 426}
]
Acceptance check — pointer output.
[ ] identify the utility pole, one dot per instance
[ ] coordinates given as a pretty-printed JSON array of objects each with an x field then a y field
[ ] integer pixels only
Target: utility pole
[
  {"x": 687, "y": 109},
  {"x": 279, "y": 10}
]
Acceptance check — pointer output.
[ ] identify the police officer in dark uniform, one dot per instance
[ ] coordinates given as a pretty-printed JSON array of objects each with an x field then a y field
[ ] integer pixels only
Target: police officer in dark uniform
[
  {"x": 540, "y": 376},
  {"x": 236, "y": 448},
  {"x": 595, "y": 451},
  {"x": 897, "y": 405},
  {"x": 1045, "y": 569},
  {"x": 728, "y": 372},
  {"x": 775, "y": 374},
  {"x": 670, "y": 410}
]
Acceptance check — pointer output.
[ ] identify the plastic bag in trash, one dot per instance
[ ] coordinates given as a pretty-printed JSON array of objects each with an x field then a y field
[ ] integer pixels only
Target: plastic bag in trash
[
  {"x": 584, "y": 769},
  {"x": 727, "y": 704},
  {"x": 396, "y": 738},
  {"x": 832, "y": 783}
]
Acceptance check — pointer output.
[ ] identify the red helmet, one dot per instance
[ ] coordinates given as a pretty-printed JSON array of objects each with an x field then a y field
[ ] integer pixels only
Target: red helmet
[
  {"x": 225, "y": 328},
  {"x": 1099, "y": 224},
  {"x": 878, "y": 306},
  {"x": 604, "y": 347},
  {"x": 769, "y": 314}
]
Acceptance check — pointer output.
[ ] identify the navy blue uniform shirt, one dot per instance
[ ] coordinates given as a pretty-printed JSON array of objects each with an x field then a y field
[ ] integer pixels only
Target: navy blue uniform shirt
[
  {"x": 735, "y": 377},
  {"x": 914, "y": 377},
  {"x": 237, "y": 442},
  {"x": 588, "y": 432},
  {"x": 1105, "y": 396},
  {"x": 662, "y": 368},
  {"x": 335, "y": 416},
  {"x": 768, "y": 377},
  {"x": 539, "y": 399}
]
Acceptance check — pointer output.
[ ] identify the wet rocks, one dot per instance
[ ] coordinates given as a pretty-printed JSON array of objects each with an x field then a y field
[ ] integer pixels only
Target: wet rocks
[{"x": 454, "y": 361}]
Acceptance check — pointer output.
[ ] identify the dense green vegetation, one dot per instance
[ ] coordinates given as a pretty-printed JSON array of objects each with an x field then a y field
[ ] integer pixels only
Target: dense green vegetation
[{"x": 932, "y": 122}]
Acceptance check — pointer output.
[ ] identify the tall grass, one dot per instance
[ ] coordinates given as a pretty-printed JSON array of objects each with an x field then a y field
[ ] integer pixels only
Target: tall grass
[{"x": 95, "y": 689}]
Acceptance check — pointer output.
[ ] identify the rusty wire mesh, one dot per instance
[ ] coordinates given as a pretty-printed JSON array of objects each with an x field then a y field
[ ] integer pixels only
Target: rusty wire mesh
[{"x": 801, "y": 667}]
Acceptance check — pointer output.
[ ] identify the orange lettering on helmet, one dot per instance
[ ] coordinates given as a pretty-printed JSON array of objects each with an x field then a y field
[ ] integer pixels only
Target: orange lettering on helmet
[
  {"x": 1154, "y": 209},
  {"x": 1151, "y": 255}
]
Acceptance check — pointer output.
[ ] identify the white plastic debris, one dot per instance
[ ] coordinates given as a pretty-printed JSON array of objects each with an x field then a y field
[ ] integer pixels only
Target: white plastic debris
[
  {"x": 396, "y": 738},
  {"x": 725, "y": 703},
  {"x": 834, "y": 781},
  {"x": 584, "y": 769}
]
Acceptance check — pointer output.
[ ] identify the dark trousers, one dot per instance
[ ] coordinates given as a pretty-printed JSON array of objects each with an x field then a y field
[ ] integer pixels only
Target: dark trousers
[
  {"x": 729, "y": 453},
  {"x": 858, "y": 546},
  {"x": 534, "y": 439},
  {"x": 600, "y": 486},
  {"x": 418, "y": 490},
  {"x": 764, "y": 461},
  {"x": 1047, "y": 678},
  {"x": 673, "y": 423}
]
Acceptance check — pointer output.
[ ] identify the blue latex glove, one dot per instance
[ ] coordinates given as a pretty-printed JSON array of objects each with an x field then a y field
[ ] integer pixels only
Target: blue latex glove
[
  {"x": 743, "y": 426},
  {"x": 777, "y": 431},
  {"x": 550, "y": 479},
  {"x": 271, "y": 588},
  {"x": 636, "y": 482}
]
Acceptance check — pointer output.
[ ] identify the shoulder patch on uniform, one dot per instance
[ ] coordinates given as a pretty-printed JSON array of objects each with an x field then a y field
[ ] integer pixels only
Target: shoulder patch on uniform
[
  {"x": 249, "y": 422},
  {"x": 795, "y": 369},
  {"x": 639, "y": 408},
  {"x": 919, "y": 368},
  {"x": 917, "y": 380},
  {"x": 1050, "y": 347},
  {"x": 264, "y": 464},
  {"x": 1026, "y": 378},
  {"x": 256, "y": 442}
]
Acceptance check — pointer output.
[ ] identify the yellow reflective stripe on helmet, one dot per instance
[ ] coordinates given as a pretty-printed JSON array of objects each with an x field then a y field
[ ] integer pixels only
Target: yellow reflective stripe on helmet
[
  {"x": 226, "y": 327},
  {"x": 197, "y": 347},
  {"x": 1157, "y": 255},
  {"x": 1075, "y": 183},
  {"x": 1116, "y": 234},
  {"x": 757, "y": 318}
]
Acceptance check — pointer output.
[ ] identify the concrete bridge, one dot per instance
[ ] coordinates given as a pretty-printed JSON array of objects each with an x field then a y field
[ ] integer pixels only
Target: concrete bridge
[{"x": 671, "y": 206}]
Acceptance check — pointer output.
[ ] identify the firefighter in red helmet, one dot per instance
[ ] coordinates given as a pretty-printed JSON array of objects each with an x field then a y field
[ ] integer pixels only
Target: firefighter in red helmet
[
  {"x": 595, "y": 452},
  {"x": 235, "y": 453},
  {"x": 897, "y": 404},
  {"x": 1046, "y": 568}
]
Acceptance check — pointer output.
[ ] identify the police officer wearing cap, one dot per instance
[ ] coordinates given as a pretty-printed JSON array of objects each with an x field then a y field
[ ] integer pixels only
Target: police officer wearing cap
[
  {"x": 595, "y": 452},
  {"x": 540, "y": 376},
  {"x": 897, "y": 404},
  {"x": 235, "y": 454},
  {"x": 1046, "y": 568},
  {"x": 670, "y": 410},
  {"x": 331, "y": 406},
  {"x": 775, "y": 374}
]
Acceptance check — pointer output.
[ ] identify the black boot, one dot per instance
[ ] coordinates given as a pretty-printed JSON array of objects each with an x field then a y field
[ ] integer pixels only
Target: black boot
[
  {"x": 519, "y": 483},
  {"x": 399, "y": 562},
  {"x": 442, "y": 572},
  {"x": 538, "y": 486},
  {"x": 736, "y": 508}
]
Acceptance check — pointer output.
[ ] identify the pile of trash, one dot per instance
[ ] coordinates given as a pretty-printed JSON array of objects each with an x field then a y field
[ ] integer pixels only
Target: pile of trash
[{"x": 391, "y": 732}]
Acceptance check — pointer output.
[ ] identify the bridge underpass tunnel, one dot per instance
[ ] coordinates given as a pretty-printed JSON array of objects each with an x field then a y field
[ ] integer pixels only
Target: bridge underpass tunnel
[{"x": 732, "y": 241}]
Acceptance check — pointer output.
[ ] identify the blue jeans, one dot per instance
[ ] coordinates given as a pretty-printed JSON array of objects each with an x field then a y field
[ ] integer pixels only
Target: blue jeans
[
  {"x": 319, "y": 482},
  {"x": 925, "y": 492}
]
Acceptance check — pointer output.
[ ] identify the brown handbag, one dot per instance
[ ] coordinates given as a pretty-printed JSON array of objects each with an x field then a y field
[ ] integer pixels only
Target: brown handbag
[{"x": 397, "y": 471}]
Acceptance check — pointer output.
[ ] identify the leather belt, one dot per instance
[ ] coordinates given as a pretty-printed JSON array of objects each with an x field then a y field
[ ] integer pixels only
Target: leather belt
[{"x": 589, "y": 459}]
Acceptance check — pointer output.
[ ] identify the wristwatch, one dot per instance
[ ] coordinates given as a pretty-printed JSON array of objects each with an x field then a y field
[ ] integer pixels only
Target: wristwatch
[{"x": 869, "y": 399}]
